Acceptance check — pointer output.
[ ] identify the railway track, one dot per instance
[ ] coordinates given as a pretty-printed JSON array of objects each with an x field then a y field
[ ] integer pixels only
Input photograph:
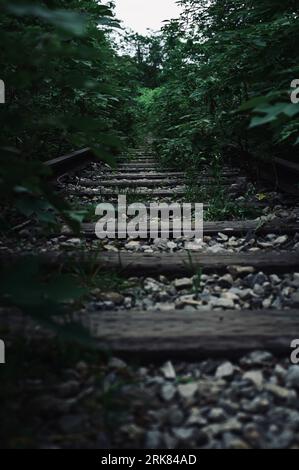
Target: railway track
[
  {"x": 242, "y": 255},
  {"x": 203, "y": 327}
]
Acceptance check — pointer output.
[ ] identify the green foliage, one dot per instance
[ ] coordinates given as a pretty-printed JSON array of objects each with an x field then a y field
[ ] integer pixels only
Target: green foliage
[
  {"x": 46, "y": 297},
  {"x": 148, "y": 56},
  {"x": 66, "y": 88},
  {"x": 146, "y": 99},
  {"x": 227, "y": 70}
]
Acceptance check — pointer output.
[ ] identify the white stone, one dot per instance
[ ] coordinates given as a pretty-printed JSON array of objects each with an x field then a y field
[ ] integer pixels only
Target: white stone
[
  {"x": 281, "y": 240},
  {"x": 168, "y": 371},
  {"x": 111, "y": 248},
  {"x": 215, "y": 249},
  {"x": 187, "y": 391},
  {"x": 132, "y": 245},
  {"x": 256, "y": 377},
  {"x": 224, "y": 303},
  {"x": 223, "y": 237},
  {"x": 74, "y": 241},
  {"x": 193, "y": 247},
  {"x": 226, "y": 370},
  {"x": 183, "y": 283},
  {"x": 171, "y": 245},
  {"x": 238, "y": 270}
]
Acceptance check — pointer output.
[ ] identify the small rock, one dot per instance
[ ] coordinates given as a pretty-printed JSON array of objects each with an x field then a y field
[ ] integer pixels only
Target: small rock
[
  {"x": 162, "y": 296},
  {"x": 132, "y": 245},
  {"x": 244, "y": 294},
  {"x": 164, "y": 307},
  {"x": 258, "y": 290},
  {"x": 176, "y": 416},
  {"x": 215, "y": 249},
  {"x": 216, "y": 415},
  {"x": 184, "y": 434},
  {"x": 184, "y": 283},
  {"x": 233, "y": 242},
  {"x": 224, "y": 371},
  {"x": 187, "y": 391},
  {"x": 252, "y": 434},
  {"x": 210, "y": 389},
  {"x": 223, "y": 237},
  {"x": 226, "y": 281},
  {"x": 233, "y": 442},
  {"x": 184, "y": 300},
  {"x": 171, "y": 245},
  {"x": 231, "y": 425},
  {"x": 195, "y": 418},
  {"x": 168, "y": 392},
  {"x": 115, "y": 363},
  {"x": 267, "y": 302},
  {"x": 114, "y": 297},
  {"x": 279, "y": 392},
  {"x": 255, "y": 377},
  {"x": 170, "y": 442},
  {"x": 280, "y": 371},
  {"x": 151, "y": 285},
  {"x": 281, "y": 240},
  {"x": 193, "y": 246},
  {"x": 74, "y": 241},
  {"x": 224, "y": 303},
  {"x": 240, "y": 270},
  {"x": 292, "y": 378},
  {"x": 111, "y": 248},
  {"x": 128, "y": 302},
  {"x": 257, "y": 358},
  {"x": 153, "y": 440},
  {"x": 258, "y": 405},
  {"x": 143, "y": 371},
  {"x": 168, "y": 371},
  {"x": 275, "y": 279},
  {"x": 283, "y": 440},
  {"x": 260, "y": 279},
  {"x": 132, "y": 431}
]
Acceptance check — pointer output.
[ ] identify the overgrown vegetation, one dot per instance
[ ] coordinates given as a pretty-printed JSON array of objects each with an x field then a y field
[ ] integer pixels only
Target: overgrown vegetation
[
  {"x": 225, "y": 83},
  {"x": 66, "y": 88}
]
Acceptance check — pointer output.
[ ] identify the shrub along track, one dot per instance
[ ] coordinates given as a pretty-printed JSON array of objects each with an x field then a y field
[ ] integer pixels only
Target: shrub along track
[{"x": 215, "y": 303}]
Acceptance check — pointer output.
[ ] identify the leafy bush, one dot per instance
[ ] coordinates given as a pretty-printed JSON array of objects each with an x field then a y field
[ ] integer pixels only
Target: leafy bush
[
  {"x": 66, "y": 88},
  {"x": 226, "y": 77}
]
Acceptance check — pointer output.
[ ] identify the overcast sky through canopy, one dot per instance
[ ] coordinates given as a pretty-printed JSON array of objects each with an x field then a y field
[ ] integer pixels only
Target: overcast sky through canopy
[{"x": 142, "y": 14}]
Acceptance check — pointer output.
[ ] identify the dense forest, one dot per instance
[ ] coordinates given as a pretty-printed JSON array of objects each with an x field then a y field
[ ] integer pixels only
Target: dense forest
[
  {"x": 217, "y": 80},
  {"x": 225, "y": 72}
]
